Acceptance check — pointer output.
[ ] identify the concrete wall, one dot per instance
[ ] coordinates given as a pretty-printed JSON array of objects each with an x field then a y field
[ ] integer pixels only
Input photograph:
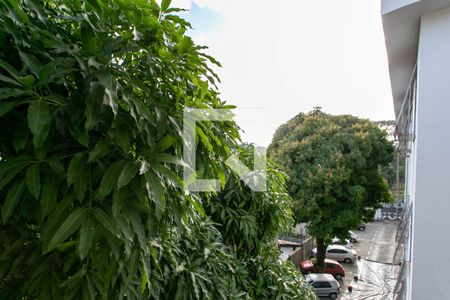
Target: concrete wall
[
  {"x": 287, "y": 251},
  {"x": 303, "y": 252},
  {"x": 431, "y": 240}
]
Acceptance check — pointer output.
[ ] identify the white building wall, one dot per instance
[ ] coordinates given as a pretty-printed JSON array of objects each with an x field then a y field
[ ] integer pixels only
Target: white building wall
[
  {"x": 431, "y": 194},
  {"x": 388, "y": 6}
]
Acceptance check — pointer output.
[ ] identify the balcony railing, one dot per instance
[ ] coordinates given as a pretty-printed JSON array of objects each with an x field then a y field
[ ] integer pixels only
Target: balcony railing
[{"x": 404, "y": 126}]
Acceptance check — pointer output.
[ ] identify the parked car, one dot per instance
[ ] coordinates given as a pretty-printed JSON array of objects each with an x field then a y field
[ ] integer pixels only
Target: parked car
[
  {"x": 324, "y": 284},
  {"x": 331, "y": 267},
  {"x": 345, "y": 243},
  {"x": 353, "y": 237},
  {"x": 339, "y": 253},
  {"x": 362, "y": 227}
]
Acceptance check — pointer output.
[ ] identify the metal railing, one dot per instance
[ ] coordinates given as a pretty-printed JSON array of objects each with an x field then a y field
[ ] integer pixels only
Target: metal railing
[
  {"x": 401, "y": 256},
  {"x": 405, "y": 135},
  {"x": 402, "y": 282},
  {"x": 405, "y": 123}
]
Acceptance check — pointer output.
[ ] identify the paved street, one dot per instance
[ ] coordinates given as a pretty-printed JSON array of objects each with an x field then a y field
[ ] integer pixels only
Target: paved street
[{"x": 376, "y": 247}]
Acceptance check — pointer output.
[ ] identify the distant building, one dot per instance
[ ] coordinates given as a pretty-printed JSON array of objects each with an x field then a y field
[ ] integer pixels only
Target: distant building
[{"x": 417, "y": 35}]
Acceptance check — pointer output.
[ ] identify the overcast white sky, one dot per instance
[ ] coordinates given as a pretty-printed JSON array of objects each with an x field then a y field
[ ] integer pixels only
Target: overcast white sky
[{"x": 288, "y": 56}]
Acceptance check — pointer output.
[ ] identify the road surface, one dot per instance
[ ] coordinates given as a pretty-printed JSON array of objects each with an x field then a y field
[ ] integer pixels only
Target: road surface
[{"x": 376, "y": 274}]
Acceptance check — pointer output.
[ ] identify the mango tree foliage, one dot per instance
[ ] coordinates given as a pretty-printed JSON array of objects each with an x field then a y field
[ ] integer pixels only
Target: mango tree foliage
[
  {"x": 249, "y": 223},
  {"x": 92, "y": 205},
  {"x": 334, "y": 167}
]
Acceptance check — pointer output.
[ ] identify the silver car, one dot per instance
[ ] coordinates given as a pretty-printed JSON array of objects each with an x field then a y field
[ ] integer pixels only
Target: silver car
[
  {"x": 324, "y": 284},
  {"x": 339, "y": 253}
]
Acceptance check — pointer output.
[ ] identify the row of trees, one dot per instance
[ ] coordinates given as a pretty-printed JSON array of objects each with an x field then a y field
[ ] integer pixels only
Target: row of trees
[{"x": 92, "y": 204}]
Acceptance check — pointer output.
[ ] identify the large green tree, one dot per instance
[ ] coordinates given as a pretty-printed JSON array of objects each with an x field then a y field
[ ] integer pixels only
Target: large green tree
[
  {"x": 92, "y": 95},
  {"x": 334, "y": 167}
]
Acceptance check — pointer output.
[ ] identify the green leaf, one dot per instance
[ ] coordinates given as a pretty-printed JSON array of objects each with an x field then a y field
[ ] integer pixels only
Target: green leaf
[
  {"x": 120, "y": 137},
  {"x": 155, "y": 191},
  {"x": 94, "y": 102},
  {"x": 167, "y": 158},
  {"x": 9, "y": 80},
  {"x": 198, "y": 207},
  {"x": 12, "y": 199},
  {"x": 56, "y": 70},
  {"x": 49, "y": 194},
  {"x": 222, "y": 177},
  {"x": 129, "y": 172},
  {"x": 165, "y": 143},
  {"x": 68, "y": 227},
  {"x": 106, "y": 221},
  {"x": 96, "y": 4},
  {"x": 74, "y": 170},
  {"x": 21, "y": 137},
  {"x": 185, "y": 45},
  {"x": 32, "y": 63},
  {"x": 57, "y": 167},
  {"x": 11, "y": 28},
  {"x": 73, "y": 279},
  {"x": 113, "y": 100},
  {"x": 54, "y": 221},
  {"x": 34, "y": 180},
  {"x": 10, "y": 69},
  {"x": 38, "y": 120},
  {"x": 87, "y": 232},
  {"x": 88, "y": 38},
  {"x": 171, "y": 176},
  {"x": 118, "y": 201},
  {"x": 81, "y": 135},
  {"x": 9, "y": 92},
  {"x": 10, "y": 175},
  {"x": 6, "y": 107},
  {"x": 138, "y": 228},
  {"x": 100, "y": 149},
  {"x": 204, "y": 139},
  {"x": 28, "y": 80},
  {"x": 80, "y": 186},
  {"x": 165, "y": 4},
  {"x": 178, "y": 20},
  {"x": 41, "y": 14},
  {"x": 106, "y": 80},
  {"x": 109, "y": 180},
  {"x": 8, "y": 166},
  {"x": 123, "y": 225}
]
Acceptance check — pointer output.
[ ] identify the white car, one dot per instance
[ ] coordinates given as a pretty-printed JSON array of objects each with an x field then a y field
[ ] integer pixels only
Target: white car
[
  {"x": 324, "y": 284},
  {"x": 339, "y": 253}
]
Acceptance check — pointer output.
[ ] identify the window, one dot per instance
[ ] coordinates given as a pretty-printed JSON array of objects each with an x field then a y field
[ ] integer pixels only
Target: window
[
  {"x": 330, "y": 266},
  {"x": 321, "y": 284},
  {"x": 325, "y": 284}
]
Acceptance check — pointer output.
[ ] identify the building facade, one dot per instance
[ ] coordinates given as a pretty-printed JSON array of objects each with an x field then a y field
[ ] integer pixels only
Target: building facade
[{"x": 417, "y": 35}]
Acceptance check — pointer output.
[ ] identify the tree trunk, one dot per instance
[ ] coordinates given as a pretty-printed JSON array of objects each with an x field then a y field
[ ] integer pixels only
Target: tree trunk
[{"x": 320, "y": 258}]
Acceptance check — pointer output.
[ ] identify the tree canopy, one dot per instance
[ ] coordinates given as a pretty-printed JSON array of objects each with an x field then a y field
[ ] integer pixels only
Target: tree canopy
[
  {"x": 92, "y": 203},
  {"x": 334, "y": 167}
]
